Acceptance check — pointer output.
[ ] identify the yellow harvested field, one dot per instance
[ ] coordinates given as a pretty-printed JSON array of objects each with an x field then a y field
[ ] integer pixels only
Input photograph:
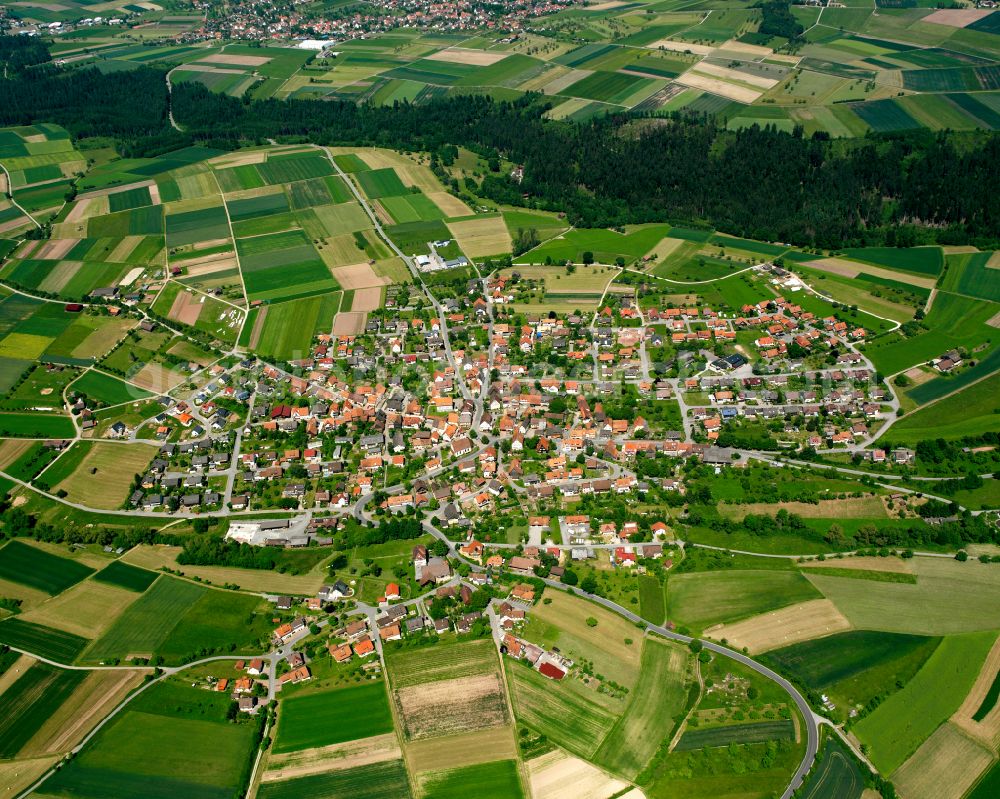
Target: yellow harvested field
[
  {"x": 708, "y": 83},
  {"x": 994, "y": 262},
  {"x": 87, "y": 609},
  {"x": 682, "y": 47},
  {"x": 340, "y": 250},
  {"x": 358, "y": 276},
  {"x": 449, "y": 204},
  {"x": 336, "y": 757},
  {"x": 156, "y": 556},
  {"x": 18, "y": 775},
  {"x": 99, "y": 693},
  {"x": 565, "y": 80},
  {"x": 239, "y": 158},
  {"x": 236, "y": 60},
  {"x": 557, "y": 775},
  {"x": 957, "y": 17},
  {"x": 465, "y": 749},
  {"x": 349, "y": 323},
  {"x": 104, "y": 477},
  {"x": 14, "y": 673},
  {"x": 736, "y": 46},
  {"x": 666, "y": 247},
  {"x": 101, "y": 341},
  {"x": 13, "y": 448},
  {"x": 480, "y": 237},
  {"x": 369, "y": 299},
  {"x": 944, "y": 767},
  {"x": 476, "y": 58},
  {"x": 725, "y": 73},
  {"x": 988, "y": 730},
  {"x": 869, "y": 564},
  {"x": 853, "y": 508},
  {"x": 848, "y": 268},
  {"x": 157, "y": 378},
  {"x": 209, "y": 264},
  {"x": 805, "y": 621}
]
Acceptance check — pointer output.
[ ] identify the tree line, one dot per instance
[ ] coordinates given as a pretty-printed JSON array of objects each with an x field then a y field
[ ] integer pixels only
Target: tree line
[{"x": 889, "y": 189}]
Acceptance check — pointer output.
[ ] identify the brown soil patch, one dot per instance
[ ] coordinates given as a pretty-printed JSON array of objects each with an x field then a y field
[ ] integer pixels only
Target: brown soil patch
[
  {"x": 13, "y": 223},
  {"x": 235, "y": 60},
  {"x": 358, "y": 276},
  {"x": 557, "y": 775},
  {"x": 185, "y": 308},
  {"x": 15, "y": 672},
  {"x": 157, "y": 378},
  {"x": 56, "y": 249},
  {"x": 79, "y": 211},
  {"x": 476, "y": 58},
  {"x": 207, "y": 264},
  {"x": 987, "y": 730},
  {"x": 367, "y": 300},
  {"x": 465, "y": 749},
  {"x": 258, "y": 328},
  {"x": 802, "y": 622},
  {"x": 332, "y": 758},
  {"x": 452, "y": 706},
  {"x": 957, "y": 17},
  {"x": 95, "y": 698},
  {"x": 382, "y": 214}
]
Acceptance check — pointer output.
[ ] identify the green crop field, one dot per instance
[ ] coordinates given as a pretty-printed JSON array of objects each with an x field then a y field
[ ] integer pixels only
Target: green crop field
[
  {"x": 321, "y": 719},
  {"x": 30, "y": 701},
  {"x": 907, "y": 718},
  {"x": 158, "y": 757},
  {"x": 148, "y": 621},
  {"x": 606, "y": 245},
  {"x": 565, "y": 715},
  {"x": 129, "y": 199},
  {"x": 701, "y": 600},
  {"x": 282, "y": 266},
  {"x": 289, "y": 327},
  {"x": 38, "y": 639},
  {"x": 31, "y": 566},
  {"x": 608, "y": 87},
  {"x": 651, "y": 599},
  {"x": 754, "y": 732},
  {"x": 920, "y": 260},
  {"x": 378, "y": 183},
  {"x": 107, "y": 389},
  {"x": 989, "y": 701},
  {"x": 298, "y": 166},
  {"x": 218, "y": 619},
  {"x": 386, "y": 780},
  {"x": 836, "y": 774},
  {"x": 968, "y": 274},
  {"x": 946, "y": 599},
  {"x": 127, "y": 576},
  {"x": 656, "y": 706},
  {"x": 35, "y": 425},
  {"x": 988, "y": 786},
  {"x": 855, "y": 666},
  {"x": 255, "y": 207},
  {"x": 447, "y": 661},
  {"x": 192, "y": 227},
  {"x": 496, "y": 780},
  {"x": 969, "y": 412}
]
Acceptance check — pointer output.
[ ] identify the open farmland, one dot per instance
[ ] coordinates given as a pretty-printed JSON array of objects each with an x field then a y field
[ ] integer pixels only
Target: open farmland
[
  {"x": 701, "y": 600},
  {"x": 288, "y": 328},
  {"x": 836, "y": 774},
  {"x": 313, "y": 720},
  {"x": 103, "y": 478},
  {"x": 126, "y": 576},
  {"x": 87, "y": 609},
  {"x": 496, "y": 780},
  {"x": 948, "y": 597},
  {"x": 568, "y": 717},
  {"x": 57, "y": 645},
  {"x": 386, "y": 780},
  {"x": 605, "y": 245},
  {"x": 282, "y": 266},
  {"x": 107, "y": 389},
  {"x": 906, "y": 719},
  {"x": 813, "y": 619},
  {"x": 656, "y": 707},
  {"x": 949, "y": 751},
  {"x": 147, "y": 623},
  {"x": 451, "y": 660},
  {"x": 557, "y": 775},
  {"x": 29, "y": 702},
  {"x": 35, "y": 568},
  {"x": 447, "y": 707}
]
